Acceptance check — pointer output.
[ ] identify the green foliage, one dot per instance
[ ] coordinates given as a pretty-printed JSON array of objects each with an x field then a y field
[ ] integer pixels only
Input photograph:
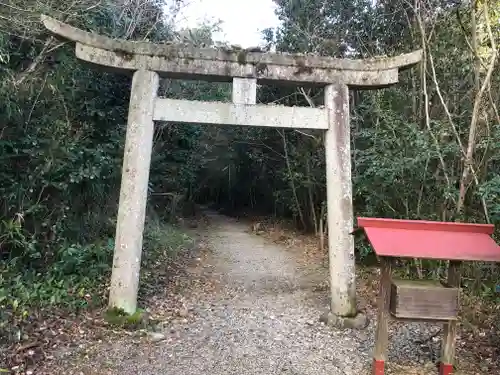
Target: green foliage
[
  {"x": 73, "y": 282},
  {"x": 76, "y": 278},
  {"x": 62, "y": 133},
  {"x": 163, "y": 242}
]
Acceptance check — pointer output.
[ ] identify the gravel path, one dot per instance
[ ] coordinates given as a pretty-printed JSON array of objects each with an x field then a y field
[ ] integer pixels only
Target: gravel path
[
  {"x": 265, "y": 321},
  {"x": 261, "y": 319}
]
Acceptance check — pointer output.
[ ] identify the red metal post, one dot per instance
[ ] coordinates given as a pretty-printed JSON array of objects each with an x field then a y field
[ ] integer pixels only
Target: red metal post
[
  {"x": 445, "y": 369},
  {"x": 378, "y": 367}
]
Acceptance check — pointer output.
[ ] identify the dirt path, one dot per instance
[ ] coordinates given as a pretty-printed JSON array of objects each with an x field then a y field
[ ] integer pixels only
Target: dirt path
[{"x": 262, "y": 318}]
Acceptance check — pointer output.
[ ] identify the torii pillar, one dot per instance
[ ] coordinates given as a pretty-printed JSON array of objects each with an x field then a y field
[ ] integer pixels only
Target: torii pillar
[{"x": 245, "y": 68}]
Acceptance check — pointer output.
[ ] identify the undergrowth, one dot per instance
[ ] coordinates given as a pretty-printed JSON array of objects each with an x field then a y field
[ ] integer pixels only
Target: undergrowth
[{"x": 77, "y": 278}]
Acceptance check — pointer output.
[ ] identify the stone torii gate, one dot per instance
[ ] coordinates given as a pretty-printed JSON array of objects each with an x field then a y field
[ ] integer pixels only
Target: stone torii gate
[{"x": 244, "y": 68}]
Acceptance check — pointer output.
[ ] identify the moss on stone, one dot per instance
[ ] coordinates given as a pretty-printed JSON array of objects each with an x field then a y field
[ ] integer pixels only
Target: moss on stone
[
  {"x": 119, "y": 318},
  {"x": 127, "y": 56}
]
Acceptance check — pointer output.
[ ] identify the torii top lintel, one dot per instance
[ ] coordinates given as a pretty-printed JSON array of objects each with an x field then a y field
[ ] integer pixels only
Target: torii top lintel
[{"x": 188, "y": 62}]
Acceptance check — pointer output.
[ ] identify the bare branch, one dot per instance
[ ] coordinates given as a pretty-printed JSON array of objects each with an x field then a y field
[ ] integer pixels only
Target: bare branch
[
  {"x": 475, "y": 112},
  {"x": 426, "y": 96}
]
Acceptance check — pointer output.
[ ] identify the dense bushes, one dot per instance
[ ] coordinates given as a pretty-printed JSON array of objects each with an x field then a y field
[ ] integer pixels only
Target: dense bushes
[{"x": 62, "y": 130}]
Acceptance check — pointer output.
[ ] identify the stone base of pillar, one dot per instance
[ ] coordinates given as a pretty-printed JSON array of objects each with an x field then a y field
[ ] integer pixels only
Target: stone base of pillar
[{"x": 358, "y": 321}]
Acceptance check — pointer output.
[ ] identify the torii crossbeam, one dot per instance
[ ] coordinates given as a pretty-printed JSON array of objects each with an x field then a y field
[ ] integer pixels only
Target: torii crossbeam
[{"x": 245, "y": 68}]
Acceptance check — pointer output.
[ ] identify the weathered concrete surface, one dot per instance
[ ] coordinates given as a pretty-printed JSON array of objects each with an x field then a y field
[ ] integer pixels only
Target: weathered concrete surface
[
  {"x": 187, "y": 62},
  {"x": 133, "y": 192},
  {"x": 190, "y": 52},
  {"x": 223, "y": 71},
  {"x": 244, "y": 91},
  {"x": 339, "y": 201},
  {"x": 217, "y": 113}
]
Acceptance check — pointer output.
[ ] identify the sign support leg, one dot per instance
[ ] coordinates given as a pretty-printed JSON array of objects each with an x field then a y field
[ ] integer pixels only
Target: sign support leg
[
  {"x": 383, "y": 306},
  {"x": 450, "y": 328}
]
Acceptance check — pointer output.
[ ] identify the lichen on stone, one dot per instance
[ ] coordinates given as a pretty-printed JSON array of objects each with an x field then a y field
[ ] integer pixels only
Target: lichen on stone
[
  {"x": 127, "y": 56},
  {"x": 242, "y": 57}
]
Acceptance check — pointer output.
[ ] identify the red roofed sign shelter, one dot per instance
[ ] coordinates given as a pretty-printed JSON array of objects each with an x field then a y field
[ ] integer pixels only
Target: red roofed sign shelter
[{"x": 424, "y": 300}]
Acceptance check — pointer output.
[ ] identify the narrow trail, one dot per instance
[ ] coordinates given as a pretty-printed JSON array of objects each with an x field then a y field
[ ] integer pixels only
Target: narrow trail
[{"x": 262, "y": 318}]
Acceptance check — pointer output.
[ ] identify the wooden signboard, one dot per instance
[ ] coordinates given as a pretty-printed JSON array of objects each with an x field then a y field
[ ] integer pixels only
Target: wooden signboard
[{"x": 424, "y": 300}]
